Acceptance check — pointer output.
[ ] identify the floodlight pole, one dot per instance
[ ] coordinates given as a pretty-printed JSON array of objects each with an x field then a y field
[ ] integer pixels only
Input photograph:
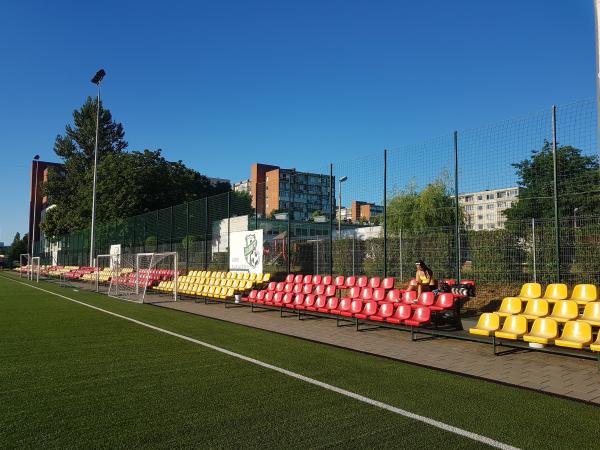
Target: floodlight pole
[
  {"x": 597, "y": 16},
  {"x": 96, "y": 80},
  {"x": 36, "y": 159}
]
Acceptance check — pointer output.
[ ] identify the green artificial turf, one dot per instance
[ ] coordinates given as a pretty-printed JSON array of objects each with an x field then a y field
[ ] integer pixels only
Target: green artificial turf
[{"x": 71, "y": 376}]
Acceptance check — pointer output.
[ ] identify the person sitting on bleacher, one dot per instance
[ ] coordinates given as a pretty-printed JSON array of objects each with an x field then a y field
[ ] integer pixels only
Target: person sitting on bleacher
[{"x": 423, "y": 281}]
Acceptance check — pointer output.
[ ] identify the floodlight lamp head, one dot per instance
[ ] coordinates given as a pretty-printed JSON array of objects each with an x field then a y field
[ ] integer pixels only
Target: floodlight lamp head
[
  {"x": 36, "y": 157},
  {"x": 342, "y": 179},
  {"x": 99, "y": 76}
]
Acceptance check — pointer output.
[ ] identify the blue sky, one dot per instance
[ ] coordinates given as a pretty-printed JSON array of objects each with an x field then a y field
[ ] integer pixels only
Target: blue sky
[{"x": 220, "y": 85}]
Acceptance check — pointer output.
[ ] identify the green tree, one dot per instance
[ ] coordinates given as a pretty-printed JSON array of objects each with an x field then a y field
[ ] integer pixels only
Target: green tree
[
  {"x": 18, "y": 247},
  {"x": 432, "y": 207},
  {"x": 128, "y": 183},
  {"x": 577, "y": 182}
]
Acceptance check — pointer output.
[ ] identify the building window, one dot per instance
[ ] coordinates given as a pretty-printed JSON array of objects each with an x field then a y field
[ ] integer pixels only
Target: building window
[
  {"x": 480, "y": 227},
  {"x": 480, "y": 208},
  {"x": 501, "y": 194},
  {"x": 480, "y": 197},
  {"x": 489, "y": 197},
  {"x": 479, "y": 217},
  {"x": 490, "y": 206}
]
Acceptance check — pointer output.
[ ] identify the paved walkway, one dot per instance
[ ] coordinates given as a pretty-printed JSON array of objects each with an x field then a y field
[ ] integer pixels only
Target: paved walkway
[{"x": 555, "y": 374}]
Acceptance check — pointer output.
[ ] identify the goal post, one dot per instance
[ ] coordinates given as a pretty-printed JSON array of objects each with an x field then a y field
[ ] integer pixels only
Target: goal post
[
  {"x": 35, "y": 269},
  {"x": 161, "y": 267},
  {"x": 24, "y": 265}
]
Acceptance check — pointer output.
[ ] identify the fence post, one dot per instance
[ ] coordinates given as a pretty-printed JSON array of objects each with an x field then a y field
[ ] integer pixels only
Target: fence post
[
  {"x": 533, "y": 249},
  {"x": 457, "y": 209},
  {"x": 331, "y": 219},
  {"x": 187, "y": 237},
  {"x": 556, "y": 220},
  {"x": 401, "y": 258},
  {"x": 157, "y": 222},
  {"x": 385, "y": 262},
  {"x": 353, "y": 252},
  {"x": 206, "y": 233},
  {"x": 317, "y": 271},
  {"x": 171, "y": 231},
  {"x": 289, "y": 224},
  {"x": 228, "y": 231}
]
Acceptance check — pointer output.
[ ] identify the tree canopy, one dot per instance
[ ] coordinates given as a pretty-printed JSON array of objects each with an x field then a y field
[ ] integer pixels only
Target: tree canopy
[
  {"x": 577, "y": 181},
  {"x": 431, "y": 207},
  {"x": 17, "y": 248},
  {"x": 128, "y": 183}
]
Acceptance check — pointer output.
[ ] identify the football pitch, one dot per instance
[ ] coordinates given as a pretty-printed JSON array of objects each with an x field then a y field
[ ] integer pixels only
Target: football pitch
[{"x": 144, "y": 376}]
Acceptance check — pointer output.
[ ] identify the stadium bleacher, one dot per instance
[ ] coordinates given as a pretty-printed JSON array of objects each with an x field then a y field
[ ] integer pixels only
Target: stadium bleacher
[{"x": 551, "y": 319}]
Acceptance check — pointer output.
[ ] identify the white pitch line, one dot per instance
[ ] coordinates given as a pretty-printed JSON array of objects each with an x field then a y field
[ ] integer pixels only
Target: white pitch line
[{"x": 435, "y": 423}]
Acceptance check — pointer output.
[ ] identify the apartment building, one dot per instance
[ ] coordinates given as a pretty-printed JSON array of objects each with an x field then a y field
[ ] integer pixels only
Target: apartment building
[
  {"x": 274, "y": 188},
  {"x": 483, "y": 209},
  {"x": 364, "y": 210}
]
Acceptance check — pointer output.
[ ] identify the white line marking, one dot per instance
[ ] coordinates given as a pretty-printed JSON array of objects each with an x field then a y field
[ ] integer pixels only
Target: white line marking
[{"x": 435, "y": 423}]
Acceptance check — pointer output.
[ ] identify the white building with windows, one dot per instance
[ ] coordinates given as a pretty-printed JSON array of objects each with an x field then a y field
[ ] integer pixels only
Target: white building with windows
[{"x": 483, "y": 209}]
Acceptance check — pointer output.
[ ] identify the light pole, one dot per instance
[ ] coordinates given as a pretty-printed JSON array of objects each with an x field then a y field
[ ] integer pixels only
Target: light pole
[
  {"x": 96, "y": 80},
  {"x": 342, "y": 179},
  {"x": 36, "y": 158}
]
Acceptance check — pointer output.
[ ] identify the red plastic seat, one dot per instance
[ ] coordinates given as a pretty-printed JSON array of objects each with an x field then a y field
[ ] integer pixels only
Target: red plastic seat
[
  {"x": 317, "y": 279},
  {"x": 308, "y": 279},
  {"x": 353, "y": 293},
  {"x": 379, "y": 294},
  {"x": 332, "y": 304},
  {"x": 307, "y": 289},
  {"x": 309, "y": 301},
  {"x": 426, "y": 299},
  {"x": 272, "y": 286},
  {"x": 289, "y": 287},
  {"x": 471, "y": 282},
  {"x": 409, "y": 297},
  {"x": 319, "y": 303},
  {"x": 298, "y": 279},
  {"x": 393, "y": 296},
  {"x": 319, "y": 289},
  {"x": 298, "y": 301},
  {"x": 444, "y": 301},
  {"x": 366, "y": 294},
  {"x": 288, "y": 300},
  {"x": 289, "y": 278},
  {"x": 340, "y": 281},
  {"x": 280, "y": 286},
  {"x": 262, "y": 295},
  {"x": 450, "y": 282},
  {"x": 385, "y": 310},
  {"x": 355, "y": 308},
  {"x": 277, "y": 298},
  {"x": 251, "y": 296},
  {"x": 375, "y": 282},
  {"x": 388, "y": 283},
  {"x": 343, "y": 305},
  {"x": 369, "y": 309},
  {"x": 297, "y": 288},
  {"x": 326, "y": 280},
  {"x": 401, "y": 313},
  {"x": 422, "y": 315},
  {"x": 330, "y": 290},
  {"x": 351, "y": 281}
]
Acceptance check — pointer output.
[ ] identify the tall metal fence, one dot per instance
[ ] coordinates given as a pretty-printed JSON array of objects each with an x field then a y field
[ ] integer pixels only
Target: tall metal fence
[{"x": 504, "y": 204}]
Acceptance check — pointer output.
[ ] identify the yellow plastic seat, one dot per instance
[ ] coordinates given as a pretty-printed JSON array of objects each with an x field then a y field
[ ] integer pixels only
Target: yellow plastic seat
[
  {"x": 564, "y": 310},
  {"x": 595, "y": 347},
  {"x": 229, "y": 274},
  {"x": 591, "y": 314},
  {"x": 259, "y": 277},
  {"x": 584, "y": 293},
  {"x": 543, "y": 331},
  {"x": 510, "y": 306},
  {"x": 252, "y": 276},
  {"x": 535, "y": 308},
  {"x": 266, "y": 277},
  {"x": 229, "y": 282},
  {"x": 205, "y": 290},
  {"x": 248, "y": 285},
  {"x": 486, "y": 325},
  {"x": 513, "y": 328},
  {"x": 555, "y": 292},
  {"x": 530, "y": 290},
  {"x": 575, "y": 334},
  {"x": 235, "y": 284},
  {"x": 246, "y": 276}
]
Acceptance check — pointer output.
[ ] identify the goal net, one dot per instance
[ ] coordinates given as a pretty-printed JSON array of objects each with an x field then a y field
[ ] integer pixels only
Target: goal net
[
  {"x": 144, "y": 277},
  {"x": 24, "y": 265}
]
